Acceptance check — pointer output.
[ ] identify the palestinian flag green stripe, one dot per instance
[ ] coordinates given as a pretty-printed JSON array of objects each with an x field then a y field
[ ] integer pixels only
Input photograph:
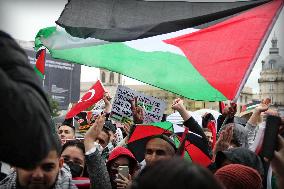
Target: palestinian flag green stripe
[
  {"x": 165, "y": 125},
  {"x": 38, "y": 73},
  {"x": 148, "y": 67},
  {"x": 46, "y": 32}
]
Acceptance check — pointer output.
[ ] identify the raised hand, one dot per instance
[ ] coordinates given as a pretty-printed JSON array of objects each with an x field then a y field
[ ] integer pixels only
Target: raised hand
[
  {"x": 126, "y": 128},
  {"x": 224, "y": 140},
  {"x": 93, "y": 132},
  {"x": 231, "y": 110},
  {"x": 179, "y": 106},
  {"x": 255, "y": 118},
  {"x": 137, "y": 111},
  {"x": 263, "y": 106},
  {"x": 107, "y": 100},
  {"x": 123, "y": 182}
]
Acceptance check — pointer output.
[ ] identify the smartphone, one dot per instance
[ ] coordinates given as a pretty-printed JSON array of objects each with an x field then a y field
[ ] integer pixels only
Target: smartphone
[
  {"x": 270, "y": 136},
  {"x": 123, "y": 170}
]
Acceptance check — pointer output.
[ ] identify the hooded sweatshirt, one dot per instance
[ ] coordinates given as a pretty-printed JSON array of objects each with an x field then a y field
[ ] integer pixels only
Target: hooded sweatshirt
[
  {"x": 240, "y": 134},
  {"x": 240, "y": 156},
  {"x": 26, "y": 127}
]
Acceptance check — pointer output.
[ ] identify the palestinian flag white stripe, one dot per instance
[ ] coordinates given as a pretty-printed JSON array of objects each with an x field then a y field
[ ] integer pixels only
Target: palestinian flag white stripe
[
  {"x": 157, "y": 43},
  {"x": 60, "y": 40}
]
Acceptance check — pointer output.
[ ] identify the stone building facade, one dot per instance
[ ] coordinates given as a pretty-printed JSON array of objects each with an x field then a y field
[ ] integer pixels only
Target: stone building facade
[{"x": 271, "y": 81}]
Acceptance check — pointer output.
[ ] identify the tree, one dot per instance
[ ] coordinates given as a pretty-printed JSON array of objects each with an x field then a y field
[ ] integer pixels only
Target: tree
[{"x": 54, "y": 106}]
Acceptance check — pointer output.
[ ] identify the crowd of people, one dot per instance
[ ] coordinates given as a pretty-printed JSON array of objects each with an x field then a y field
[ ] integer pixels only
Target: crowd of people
[{"x": 42, "y": 156}]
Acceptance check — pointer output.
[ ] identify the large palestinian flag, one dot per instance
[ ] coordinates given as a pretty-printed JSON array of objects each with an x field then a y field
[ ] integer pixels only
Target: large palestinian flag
[{"x": 208, "y": 62}]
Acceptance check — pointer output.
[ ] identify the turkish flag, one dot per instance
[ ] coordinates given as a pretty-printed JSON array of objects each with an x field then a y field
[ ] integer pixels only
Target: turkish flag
[{"x": 94, "y": 94}]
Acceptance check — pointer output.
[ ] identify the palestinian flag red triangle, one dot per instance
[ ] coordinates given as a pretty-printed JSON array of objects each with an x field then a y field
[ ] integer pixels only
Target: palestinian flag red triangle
[
  {"x": 228, "y": 50},
  {"x": 40, "y": 62}
]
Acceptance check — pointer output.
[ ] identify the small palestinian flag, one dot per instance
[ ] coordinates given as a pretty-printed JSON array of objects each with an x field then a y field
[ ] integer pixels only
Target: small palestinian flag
[
  {"x": 250, "y": 106},
  {"x": 40, "y": 62}
]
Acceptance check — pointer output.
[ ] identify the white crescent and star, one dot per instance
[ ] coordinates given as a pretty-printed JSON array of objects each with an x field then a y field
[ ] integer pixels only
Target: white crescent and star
[{"x": 93, "y": 91}]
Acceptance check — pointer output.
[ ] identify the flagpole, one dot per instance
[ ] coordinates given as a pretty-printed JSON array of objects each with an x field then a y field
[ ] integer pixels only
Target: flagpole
[{"x": 43, "y": 82}]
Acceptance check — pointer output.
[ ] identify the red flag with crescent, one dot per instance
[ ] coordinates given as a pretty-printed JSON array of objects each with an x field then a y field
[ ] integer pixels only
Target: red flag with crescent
[{"x": 92, "y": 96}]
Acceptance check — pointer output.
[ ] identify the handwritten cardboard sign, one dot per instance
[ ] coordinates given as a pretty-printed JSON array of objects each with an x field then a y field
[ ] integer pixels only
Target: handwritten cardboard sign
[{"x": 121, "y": 107}]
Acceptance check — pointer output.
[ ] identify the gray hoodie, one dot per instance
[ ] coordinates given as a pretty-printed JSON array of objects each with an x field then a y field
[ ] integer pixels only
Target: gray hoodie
[{"x": 240, "y": 134}]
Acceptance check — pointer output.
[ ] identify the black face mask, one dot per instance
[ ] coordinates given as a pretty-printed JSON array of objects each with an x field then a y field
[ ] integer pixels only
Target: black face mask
[{"x": 76, "y": 170}]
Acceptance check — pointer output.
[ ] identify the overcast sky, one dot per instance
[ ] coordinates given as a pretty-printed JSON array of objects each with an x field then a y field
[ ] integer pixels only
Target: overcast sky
[{"x": 24, "y": 18}]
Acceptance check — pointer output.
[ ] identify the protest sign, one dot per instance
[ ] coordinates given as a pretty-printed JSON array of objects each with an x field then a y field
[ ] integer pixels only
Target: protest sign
[{"x": 121, "y": 108}]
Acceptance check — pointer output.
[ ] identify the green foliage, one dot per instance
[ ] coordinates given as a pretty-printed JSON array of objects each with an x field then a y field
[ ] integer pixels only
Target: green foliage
[{"x": 54, "y": 106}]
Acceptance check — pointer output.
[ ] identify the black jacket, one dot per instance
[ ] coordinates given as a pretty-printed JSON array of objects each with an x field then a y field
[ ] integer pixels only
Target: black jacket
[
  {"x": 25, "y": 131},
  {"x": 194, "y": 127},
  {"x": 220, "y": 121}
]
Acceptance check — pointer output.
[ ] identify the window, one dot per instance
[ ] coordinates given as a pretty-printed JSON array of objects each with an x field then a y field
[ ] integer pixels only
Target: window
[
  {"x": 111, "y": 78},
  {"x": 271, "y": 64},
  {"x": 271, "y": 97},
  {"x": 262, "y": 63},
  {"x": 271, "y": 87},
  {"x": 103, "y": 77}
]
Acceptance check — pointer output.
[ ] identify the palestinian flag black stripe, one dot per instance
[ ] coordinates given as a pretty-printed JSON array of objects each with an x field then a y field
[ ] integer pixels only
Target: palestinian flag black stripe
[{"x": 122, "y": 20}]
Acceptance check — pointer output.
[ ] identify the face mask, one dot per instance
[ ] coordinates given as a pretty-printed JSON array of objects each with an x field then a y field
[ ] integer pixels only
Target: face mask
[{"x": 76, "y": 170}]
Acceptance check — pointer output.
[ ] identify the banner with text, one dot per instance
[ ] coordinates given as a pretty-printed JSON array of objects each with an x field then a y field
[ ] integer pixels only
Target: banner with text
[
  {"x": 121, "y": 107},
  {"x": 62, "y": 79}
]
